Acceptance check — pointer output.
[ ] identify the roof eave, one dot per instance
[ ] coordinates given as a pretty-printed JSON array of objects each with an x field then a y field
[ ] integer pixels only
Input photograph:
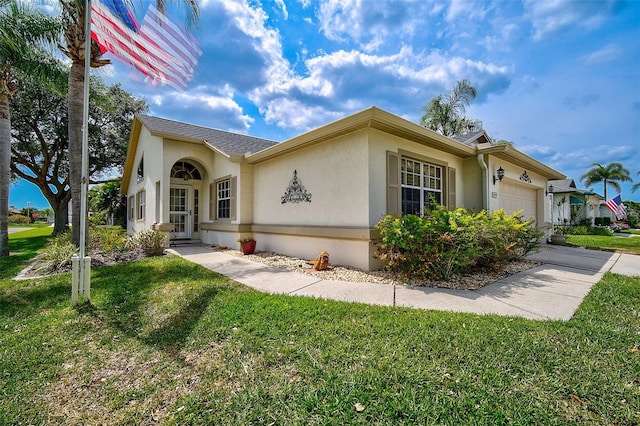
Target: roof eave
[
  {"x": 136, "y": 127},
  {"x": 511, "y": 154}
]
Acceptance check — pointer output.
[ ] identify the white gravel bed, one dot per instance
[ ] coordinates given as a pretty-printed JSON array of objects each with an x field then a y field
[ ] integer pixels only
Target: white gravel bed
[{"x": 344, "y": 273}]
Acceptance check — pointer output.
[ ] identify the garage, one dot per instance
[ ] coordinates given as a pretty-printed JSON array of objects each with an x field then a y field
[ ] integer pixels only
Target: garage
[{"x": 515, "y": 197}]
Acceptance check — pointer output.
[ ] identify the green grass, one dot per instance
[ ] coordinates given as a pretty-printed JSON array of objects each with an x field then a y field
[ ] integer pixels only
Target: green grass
[
  {"x": 631, "y": 231},
  {"x": 623, "y": 244},
  {"x": 30, "y": 225},
  {"x": 169, "y": 342}
]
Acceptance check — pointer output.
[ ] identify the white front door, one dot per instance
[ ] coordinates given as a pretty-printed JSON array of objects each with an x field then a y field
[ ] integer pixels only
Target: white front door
[{"x": 180, "y": 211}]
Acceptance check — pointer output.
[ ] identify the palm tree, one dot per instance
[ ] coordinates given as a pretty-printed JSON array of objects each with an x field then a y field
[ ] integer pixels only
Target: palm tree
[
  {"x": 635, "y": 187},
  {"x": 74, "y": 16},
  {"x": 445, "y": 113},
  {"x": 610, "y": 175},
  {"x": 23, "y": 30}
]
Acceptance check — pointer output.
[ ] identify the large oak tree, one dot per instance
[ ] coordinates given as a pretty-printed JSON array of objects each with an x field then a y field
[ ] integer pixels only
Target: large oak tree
[{"x": 39, "y": 152}]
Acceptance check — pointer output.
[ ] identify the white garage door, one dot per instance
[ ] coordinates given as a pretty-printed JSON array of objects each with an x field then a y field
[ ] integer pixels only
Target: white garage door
[{"x": 515, "y": 197}]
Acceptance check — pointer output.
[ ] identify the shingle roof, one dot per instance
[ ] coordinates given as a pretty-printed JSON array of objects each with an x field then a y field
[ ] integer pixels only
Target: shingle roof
[
  {"x": 469, "y": 138},
  {"x": 226, "y": 142}
]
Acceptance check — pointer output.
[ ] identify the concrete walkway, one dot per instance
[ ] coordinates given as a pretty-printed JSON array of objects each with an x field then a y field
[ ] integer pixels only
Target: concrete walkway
[
  {"x": 553, "y": 290},
  {"x": 16, "y": 230}
]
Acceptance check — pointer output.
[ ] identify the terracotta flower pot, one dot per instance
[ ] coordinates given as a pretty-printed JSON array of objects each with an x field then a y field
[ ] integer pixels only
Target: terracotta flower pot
[{"x": 248, "y": 247}]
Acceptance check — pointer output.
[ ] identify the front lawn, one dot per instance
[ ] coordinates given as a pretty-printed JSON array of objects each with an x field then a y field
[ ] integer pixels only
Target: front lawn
[
  {"x": 623, "y": 244},
  {"x": 169, "y": 342}
]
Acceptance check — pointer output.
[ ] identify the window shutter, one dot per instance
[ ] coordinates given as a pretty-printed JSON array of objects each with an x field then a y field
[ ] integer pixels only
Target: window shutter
[
  {"x": 212, "y": 201},
  {"x": 452, "y": 188},
  {"x": 393, "y": 183},
  {"x": 233, "y": 184}
]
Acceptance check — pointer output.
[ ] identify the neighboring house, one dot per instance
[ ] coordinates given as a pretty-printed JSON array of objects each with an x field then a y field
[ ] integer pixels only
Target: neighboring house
[
  {"x": 13, "y": 210},
  {"x": 322, "y": 190},
  {"x": 571, "y": 205}
]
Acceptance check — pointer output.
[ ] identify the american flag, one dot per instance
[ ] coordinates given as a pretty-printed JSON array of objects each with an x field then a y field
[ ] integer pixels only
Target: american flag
[
  {"x": 159, "y": 48},
  {"x": 616, "y": 206}
]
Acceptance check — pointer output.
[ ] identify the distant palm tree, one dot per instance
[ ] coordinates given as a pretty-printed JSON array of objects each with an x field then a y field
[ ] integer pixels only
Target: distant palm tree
[
  {"x": 73, "y": 12},
  {"x": 445, "y": 113},
  {"x": 635, "y": 187},
  {"x": 23, "y": 29},
  {"x": 609, "y": 175}
]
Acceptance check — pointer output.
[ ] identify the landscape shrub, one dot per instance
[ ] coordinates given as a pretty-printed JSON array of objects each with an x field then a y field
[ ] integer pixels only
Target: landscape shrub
[
  {"x": 590, "y": 230},
  {"x": 443, "y": 242},
  {"x": 602, "y": 221},
  {"x": 56, "y": 255},
  {"x": 18, "y": 218},
  {"x": 150, "y": 239},
  {"x": 109, "y": 240}
]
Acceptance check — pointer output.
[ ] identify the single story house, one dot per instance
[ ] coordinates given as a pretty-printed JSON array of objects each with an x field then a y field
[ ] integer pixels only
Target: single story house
[
  {"x": 322, "y": 190},
  {"x": 572, "y": 205}
]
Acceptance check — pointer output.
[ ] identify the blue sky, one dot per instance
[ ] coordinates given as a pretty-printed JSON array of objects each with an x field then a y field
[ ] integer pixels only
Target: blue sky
[{"x": 561, "y": 79}]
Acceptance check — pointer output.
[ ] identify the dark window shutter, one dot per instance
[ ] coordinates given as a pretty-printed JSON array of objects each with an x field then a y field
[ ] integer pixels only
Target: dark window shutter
[
  {"x": 393, "y": 183},
  {"x": 451, "y": 185}
]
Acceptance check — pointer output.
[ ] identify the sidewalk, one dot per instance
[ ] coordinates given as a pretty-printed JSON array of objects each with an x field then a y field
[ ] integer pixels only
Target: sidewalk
[{"x": 552, "y": 291}]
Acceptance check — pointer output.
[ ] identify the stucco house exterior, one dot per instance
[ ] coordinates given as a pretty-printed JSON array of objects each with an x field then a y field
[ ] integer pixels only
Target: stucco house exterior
[{"x": 322, "y": 190}]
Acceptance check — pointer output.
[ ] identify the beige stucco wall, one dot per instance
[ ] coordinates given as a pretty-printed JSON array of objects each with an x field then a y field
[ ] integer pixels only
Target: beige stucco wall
[
  {"x": 513, "y": 174},
  {"x": 151, "y": 148},
  {"x": 334, "y": 172},
  {"x": 472, "y": 177}
]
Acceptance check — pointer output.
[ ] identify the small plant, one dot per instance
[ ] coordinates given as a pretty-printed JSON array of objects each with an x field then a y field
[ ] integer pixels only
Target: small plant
[
  {"x": 247, "y": 244},
  {"x": 151, "y": 240},
  {"x": 56, "y": 255}
]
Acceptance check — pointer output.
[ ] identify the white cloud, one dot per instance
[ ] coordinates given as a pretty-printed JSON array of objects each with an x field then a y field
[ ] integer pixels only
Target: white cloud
[
  {"x": 283, "y": 7},
  {"x": 551, "y": 16},
  {"x": 606, "y": 54},
  {"x": 349, "y": 80},
  {"x": 361, "y": 20}
]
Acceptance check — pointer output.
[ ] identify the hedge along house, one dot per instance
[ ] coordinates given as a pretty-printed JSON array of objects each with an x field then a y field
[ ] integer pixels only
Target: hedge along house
[{"x": 322, "y": 190}]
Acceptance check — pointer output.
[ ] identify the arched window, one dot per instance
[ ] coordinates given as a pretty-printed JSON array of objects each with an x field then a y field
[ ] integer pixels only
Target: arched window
[{"x": 185, "y": 170}]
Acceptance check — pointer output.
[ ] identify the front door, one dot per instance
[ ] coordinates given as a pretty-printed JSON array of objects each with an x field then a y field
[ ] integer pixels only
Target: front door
[{"x": 179, "y": 211}]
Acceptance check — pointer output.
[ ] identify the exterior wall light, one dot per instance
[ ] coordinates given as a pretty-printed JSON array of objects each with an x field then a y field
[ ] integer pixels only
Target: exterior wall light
[
  {"x": 500, "y": 173},
  {"x": 549, "y": 190}
]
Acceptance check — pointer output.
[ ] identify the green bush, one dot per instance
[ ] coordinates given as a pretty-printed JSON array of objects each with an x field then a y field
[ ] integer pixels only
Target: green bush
[
  {"x": 56, "y": 255},
  {"x": 150, "y": 239},
  {"x": 18, "y": 218},
  {"x": 443, "y": 242},
  {"x": 602, "y": 221},
  {"x": 108, "y": 240},
  {"x": 589, "y": 230}
]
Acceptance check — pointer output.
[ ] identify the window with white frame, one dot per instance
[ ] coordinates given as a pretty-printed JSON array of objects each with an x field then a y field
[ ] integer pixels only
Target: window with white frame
[
  {"x": 421, "y": 183},
  {"x": 223, "y": 198},
  {"x": 140, "y": 202}
]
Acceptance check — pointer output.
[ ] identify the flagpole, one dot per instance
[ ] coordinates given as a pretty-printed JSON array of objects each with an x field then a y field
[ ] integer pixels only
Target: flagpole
[{"x": 85, "y": 262}]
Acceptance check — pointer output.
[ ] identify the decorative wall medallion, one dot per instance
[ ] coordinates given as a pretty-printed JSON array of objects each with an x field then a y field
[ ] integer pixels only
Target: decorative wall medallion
[
  {"x": 296, "y": 192},
  {"x": 525, "y": 177}
]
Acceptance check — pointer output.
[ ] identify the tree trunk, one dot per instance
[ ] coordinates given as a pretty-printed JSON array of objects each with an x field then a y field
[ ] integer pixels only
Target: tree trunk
[
  {"x": 61, "y": 213},
  {"x": 75, "y": 101},
  {"x": 5, "y": 173}
]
